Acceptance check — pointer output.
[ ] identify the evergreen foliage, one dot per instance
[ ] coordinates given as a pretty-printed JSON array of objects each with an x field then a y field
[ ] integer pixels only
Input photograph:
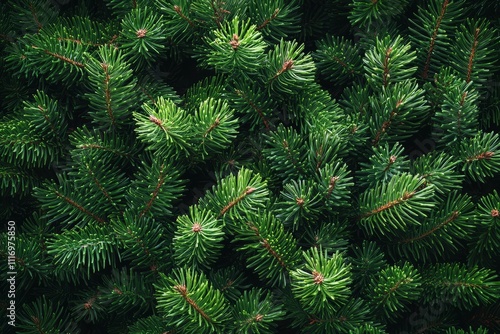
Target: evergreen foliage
[{"x": 279, "y": 166}]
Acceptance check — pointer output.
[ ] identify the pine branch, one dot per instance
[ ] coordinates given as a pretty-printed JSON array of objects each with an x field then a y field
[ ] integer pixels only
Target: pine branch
[
  {"x": 338, "y": 59},
  {"x": 473, "y": 55},
  {"x": 155, "y": 187},
  {"x": 289, "y": 69},
  {"x": 143, "y": 242},
  {"x": 272, "y": 252},
  {"x": 480, "y": 156},
  {"x": 440, "y": 235},
  {"x": 321, "y": 284},
  {"x": 112, "y": 88},
  {"x": 388, "y": 62},
  {"x": 142, "y": 37},
  {"x": 187, "y": 299},
  {"x": 233, "y": 195},
  {"x": 164, "y": 127},
  {"x": 198, "y": 239},
  {"x": 44, "y": 316},
  {"x": 463, "y": 287},
  {"x": 386, "y": 212},
  {"x": 394, "y": 288},
  {"x": 92, "y": 248},
  {"x": 429, "y": 32},
  {"x": 236, "y": 48},
  {"x": 255, "y": 311},
  {"x": 385, "y": 163}
]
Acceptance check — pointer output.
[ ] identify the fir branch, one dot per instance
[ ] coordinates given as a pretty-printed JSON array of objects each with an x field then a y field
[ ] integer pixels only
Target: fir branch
[
  {"x": 142, "y": 36},
  {"x": 322, "y": 277},
  {"x": 111, "y": 88},
  {"x": 432, "y": 31},
  {"x": 44, "y": 315},
  {"x": 385, "y": 162},
  {"x": 472, "y": 55},
  {"x": 154, "y": 194},
  {"x": 389, "y": 61},
  {"x": 198, "y": 238},
  {"x": 63, "y": 58},
  {"x": 107, "y": 93},
  {"x": 268, "y": 20},
  {"x": 236, "y": 48},
  {"x": 430, "y": 49},
  {"x": 450, "y": 219},
  {"x": 352, "y": 314},
  {"x": 298, "y": 203},
  {"x": 254, "y": 107},
  {"x": 155, "y": 187},
  {"x": 365, "y": 13},
  {"x": 480, "y": 155},
  {"x": 486, "y": 236},
  {"x": 79, "y": 207},
  {"x": 93, "y": 142},
  {"x": 406, "y": 196},
  {"x": 266, "y": 245},
  {"x": 143, "y": 242},
  {"x": 461, "y": 286},
  {"x": 91, "y": 248},
  {"x": 230, "y": 281},
  {"x": 388, "y": 212},
  {"x": 126, "y": 289},
  {"x": 184, "y": 293},
  {"x": 73, "y": 204},
  {"x": 275, "y": 19},
  {"x": 440, "y": 235},
  {"x": 165, "y": 127},
  {"x": 33, "y": 15},
  {"x": 255, "y": 311},
  {"x": 178, "y": 10},
  {"x": 215, "y": 126},
  {"x": 16, "y": 180},
  {"x": 285, "y": 152},
  {"x": 186, "y": 296},
  {"x": 235, "y": 194},
  {"x": 272, "y": 252},
  {"x": 271, "y": 246},
  {"x": 394, "y": 288},
  {"x": 394, "y": 111},
  {"x": 288, "y": 68},
  {"x": 235, "y": 201}
]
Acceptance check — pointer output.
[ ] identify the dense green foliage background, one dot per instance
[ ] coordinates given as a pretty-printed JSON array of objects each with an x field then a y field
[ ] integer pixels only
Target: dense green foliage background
[{"x": 248, "y": 166}]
